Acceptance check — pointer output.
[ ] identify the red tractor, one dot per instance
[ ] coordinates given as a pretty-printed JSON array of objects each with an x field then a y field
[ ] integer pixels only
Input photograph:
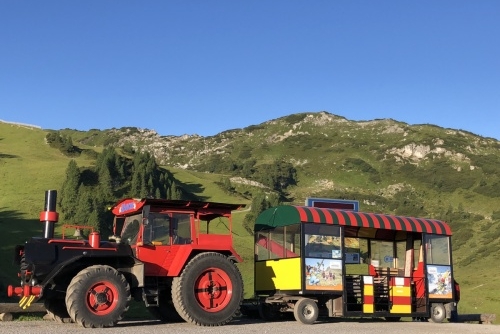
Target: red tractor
[{"x": 162, "y": 252}]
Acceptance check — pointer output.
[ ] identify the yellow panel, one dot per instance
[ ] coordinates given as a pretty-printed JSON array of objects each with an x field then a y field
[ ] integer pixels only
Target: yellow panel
[
  {"x": 401, "y": 291},
  {"x": 368, "y": 308},
  {"x": 368, "y": 290},
  {"x": 283, "y": 274},
  {"x": 401, "y": 309}
]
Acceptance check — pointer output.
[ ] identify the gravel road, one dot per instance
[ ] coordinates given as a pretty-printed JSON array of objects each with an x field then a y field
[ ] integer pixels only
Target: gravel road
[{"x": 252, "y": 326}]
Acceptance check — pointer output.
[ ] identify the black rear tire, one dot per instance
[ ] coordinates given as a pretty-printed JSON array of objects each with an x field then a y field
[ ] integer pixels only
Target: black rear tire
[
  {"x": 97, "y": 297},
  {"x": 209, "y": 290}
]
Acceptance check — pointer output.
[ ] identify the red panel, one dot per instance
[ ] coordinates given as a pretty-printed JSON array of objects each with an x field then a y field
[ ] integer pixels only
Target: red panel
[
  {"x": 428, "y": 228},
  {"x": 376, "y": 223},
  {"x": 438, "y": 227},
  {"x": 50, "y": 216},
  {"x": 399, "y": 300},
  {"x": 275, "y": 247},
  {"x": 443, "y": 228},
  {"x": 387, "y": 223},
  {"x": 315, "y": 215},
  {"x": 328, "y": 215},
  {"x": 399, "y": 227},
  {"x": 368, "y": 299},
  {"x": 408, "y": 226},
  {"x": 339, "y": 218},
  {"x": 365, "y": 221},
  {"x": 352, "y": 217},
  {"x": 418, "y": 226},
  {"x": 302, "y": 213}
]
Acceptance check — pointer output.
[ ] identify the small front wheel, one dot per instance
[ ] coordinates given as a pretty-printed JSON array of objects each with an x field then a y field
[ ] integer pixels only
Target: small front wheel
[
  {"x": 438, "y": 313},
  {"x": 305, "y": 311}
]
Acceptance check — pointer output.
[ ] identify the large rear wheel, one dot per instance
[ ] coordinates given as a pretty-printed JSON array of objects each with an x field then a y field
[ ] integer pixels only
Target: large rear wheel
[
  {"x": 209, "y": 291},
  {"x": 97, "y": 297}
]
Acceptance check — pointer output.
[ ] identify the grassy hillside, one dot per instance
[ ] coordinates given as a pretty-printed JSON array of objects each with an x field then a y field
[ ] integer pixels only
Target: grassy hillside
[
  {"x": 28, "y": 167},
  {"x": 388, "y": 166}
]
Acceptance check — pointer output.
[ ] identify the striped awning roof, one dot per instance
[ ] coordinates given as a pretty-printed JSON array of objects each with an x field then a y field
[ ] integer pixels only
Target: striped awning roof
[{"x": 287, "y": 215}]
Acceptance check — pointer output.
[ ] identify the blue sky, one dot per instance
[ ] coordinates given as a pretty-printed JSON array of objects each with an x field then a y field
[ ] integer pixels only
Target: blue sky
[{"x": 202, "y": 67}]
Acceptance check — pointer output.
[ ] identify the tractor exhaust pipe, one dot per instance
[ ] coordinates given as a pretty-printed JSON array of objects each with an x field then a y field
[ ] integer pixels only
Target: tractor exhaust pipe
[{"x": 49, "y": 215}]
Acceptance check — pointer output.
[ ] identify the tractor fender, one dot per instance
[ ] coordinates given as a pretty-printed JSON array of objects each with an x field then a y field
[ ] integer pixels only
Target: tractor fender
[{"x": 132, "y": 268}]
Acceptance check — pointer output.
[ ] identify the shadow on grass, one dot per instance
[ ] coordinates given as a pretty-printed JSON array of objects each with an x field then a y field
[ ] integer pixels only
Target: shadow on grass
[
  {"x": 7, "y": 156},
  {"x": 14, "y": 230}
]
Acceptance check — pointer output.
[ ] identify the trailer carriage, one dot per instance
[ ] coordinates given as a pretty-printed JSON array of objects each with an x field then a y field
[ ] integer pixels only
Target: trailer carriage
[{"x": 320, "y": 261}]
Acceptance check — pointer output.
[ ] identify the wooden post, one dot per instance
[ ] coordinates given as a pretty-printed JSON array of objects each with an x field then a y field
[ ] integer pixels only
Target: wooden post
[
  {"x": 6, "y": 316},
  {"x": 484, "y": 318},
  {"x": 15, "y": 308}
]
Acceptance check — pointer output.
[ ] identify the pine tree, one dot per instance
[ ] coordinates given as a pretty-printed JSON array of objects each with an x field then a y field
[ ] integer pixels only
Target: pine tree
[
  {"x": 85, "y": 207},
  {"x": 105, "y": 185},
  {"x": 69, "y": 191}
]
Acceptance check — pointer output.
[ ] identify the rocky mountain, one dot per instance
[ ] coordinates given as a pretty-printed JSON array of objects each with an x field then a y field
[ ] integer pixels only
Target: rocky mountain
[
  {"x": 388, "y": 166},
  {"x": 331, "y": 153}
]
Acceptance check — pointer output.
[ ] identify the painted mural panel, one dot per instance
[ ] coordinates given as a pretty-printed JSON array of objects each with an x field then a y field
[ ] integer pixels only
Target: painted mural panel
[
  {"x": 439, "y": 281},
  {"x": 323, "y": 274}
]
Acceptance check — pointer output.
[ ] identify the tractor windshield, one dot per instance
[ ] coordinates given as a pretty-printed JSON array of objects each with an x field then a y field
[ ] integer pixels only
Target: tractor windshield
[{"x": 130, "y": 229}]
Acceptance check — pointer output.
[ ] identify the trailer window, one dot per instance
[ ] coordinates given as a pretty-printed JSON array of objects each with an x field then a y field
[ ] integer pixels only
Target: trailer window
[
  {"x": 381, "y": 253},
  {"x": 278, "y": 243},
  {"x": 261, "y": 245},
  {"x": 322, "y": 241},
  {"x": 278, "y": 249},
  {"x": 292, "y": 240},
  {"x": 437, "y": 249},
  {"x": 400, "y": 256}
]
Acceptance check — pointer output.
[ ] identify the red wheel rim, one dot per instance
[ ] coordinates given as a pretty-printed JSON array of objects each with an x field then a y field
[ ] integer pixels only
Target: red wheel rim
[
  {"x": 213, "y": 289},
  {"x": 102, "y": 298}
]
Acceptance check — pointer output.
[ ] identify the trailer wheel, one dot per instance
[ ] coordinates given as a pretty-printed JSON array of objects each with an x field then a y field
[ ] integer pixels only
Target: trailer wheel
[
  {"x": 438, "y": 313},
  {"x": 165, "y": 311},
  {"x": 209, "y": 290},
  {"x": 97, "y": 297},
  {"x": 306, "y": 311},
  {"x": 56, "y": 310}
]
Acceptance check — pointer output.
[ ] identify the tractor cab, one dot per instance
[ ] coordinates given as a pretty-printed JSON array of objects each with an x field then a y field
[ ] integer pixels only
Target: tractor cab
[{"x": 163, "y": 233}]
